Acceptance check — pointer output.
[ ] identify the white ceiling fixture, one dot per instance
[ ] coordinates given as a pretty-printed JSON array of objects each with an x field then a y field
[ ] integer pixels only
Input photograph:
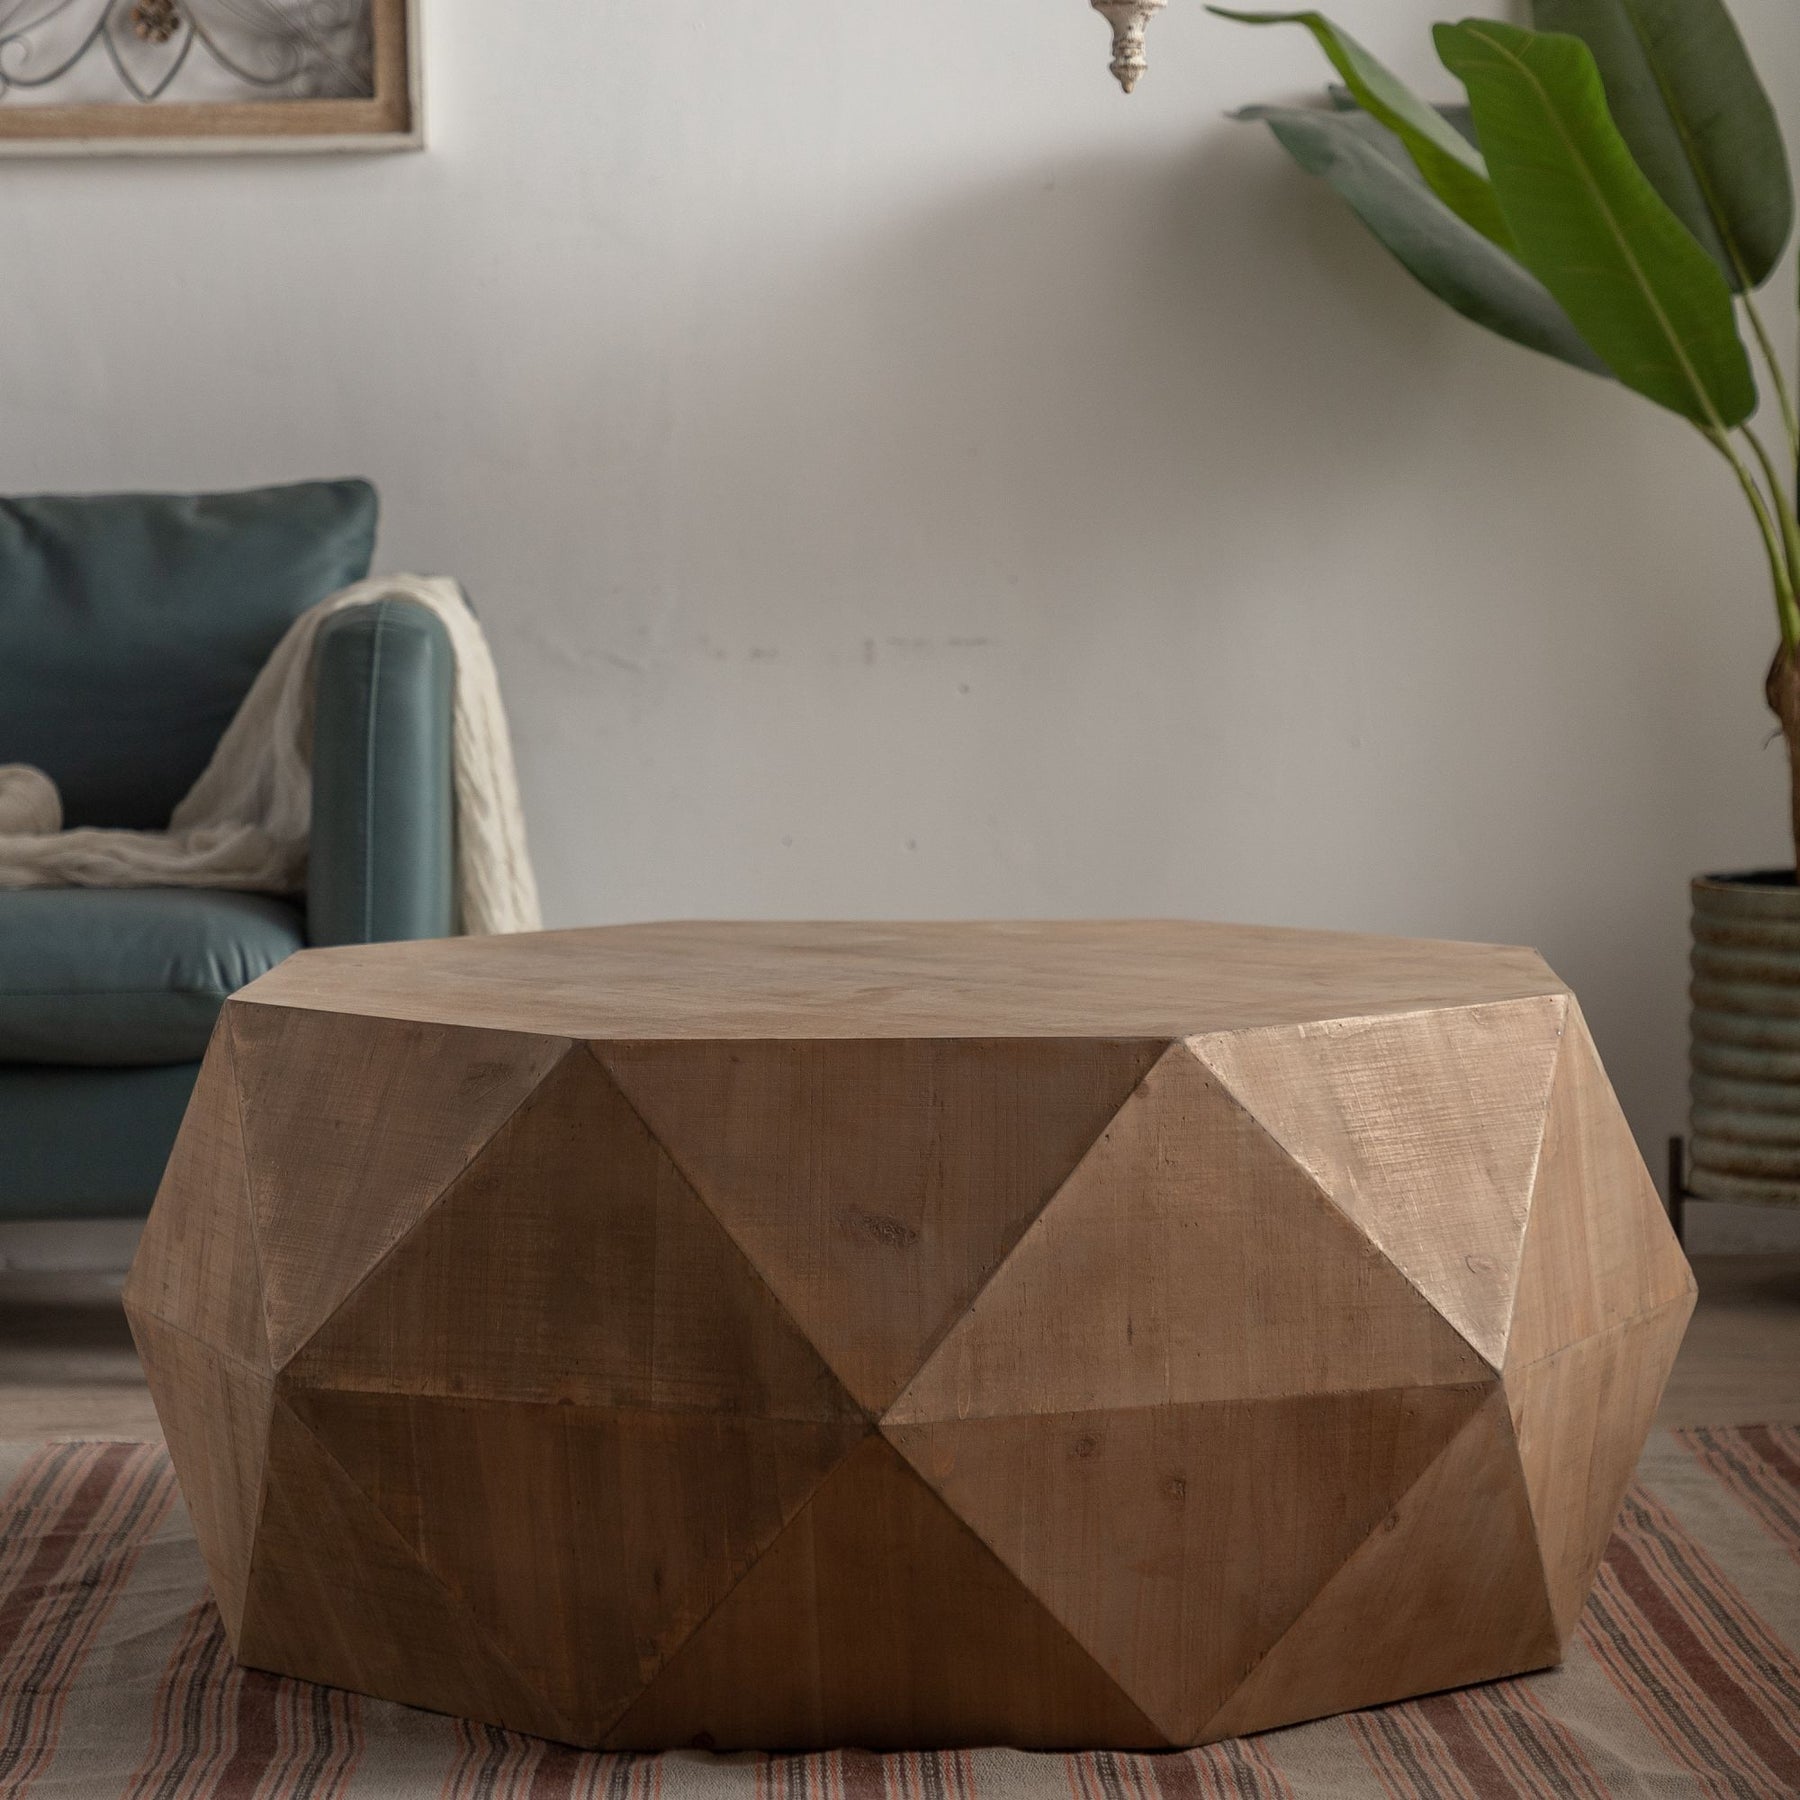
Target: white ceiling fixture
[{"x": 1128, "y": 19}]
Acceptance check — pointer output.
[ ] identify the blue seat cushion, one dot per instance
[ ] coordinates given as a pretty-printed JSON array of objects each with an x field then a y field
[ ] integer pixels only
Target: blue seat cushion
[
  {"x": 87, "y": 1143},
  {"x": 129, "y": 976},
  {"x": 131, "y": 625}
]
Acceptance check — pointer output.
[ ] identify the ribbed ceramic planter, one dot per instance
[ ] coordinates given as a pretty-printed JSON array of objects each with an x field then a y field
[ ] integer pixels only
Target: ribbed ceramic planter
[{"x": 1745, "y": 1060}]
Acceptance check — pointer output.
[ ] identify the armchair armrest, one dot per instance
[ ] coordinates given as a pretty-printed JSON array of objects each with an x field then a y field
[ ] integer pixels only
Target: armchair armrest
[{"x": 381, "y": 862}]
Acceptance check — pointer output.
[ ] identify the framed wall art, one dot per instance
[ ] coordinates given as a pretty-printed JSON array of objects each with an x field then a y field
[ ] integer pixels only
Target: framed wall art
[{"x": 136, "y": 77}]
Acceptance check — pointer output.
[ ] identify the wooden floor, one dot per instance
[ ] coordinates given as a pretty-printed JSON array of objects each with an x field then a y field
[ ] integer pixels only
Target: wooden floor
[
  {"x": 67, "y": 1368},
  {"x": 1740, "y": 1363}
]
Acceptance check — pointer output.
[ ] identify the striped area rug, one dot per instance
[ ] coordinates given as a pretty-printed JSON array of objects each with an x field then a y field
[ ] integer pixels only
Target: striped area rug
[{"x": 116, "y": 1683}]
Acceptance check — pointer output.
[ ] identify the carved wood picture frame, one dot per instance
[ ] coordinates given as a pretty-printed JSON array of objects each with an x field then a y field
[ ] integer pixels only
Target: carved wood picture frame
[{"x": 390, "y": 116}]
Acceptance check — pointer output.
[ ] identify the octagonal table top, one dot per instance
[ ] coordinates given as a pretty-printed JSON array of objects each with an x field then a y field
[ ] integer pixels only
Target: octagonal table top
[{"x": 992, "y": 979}]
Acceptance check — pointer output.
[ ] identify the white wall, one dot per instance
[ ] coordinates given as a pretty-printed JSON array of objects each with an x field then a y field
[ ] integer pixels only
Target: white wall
[{"x": 902, "y": 476}]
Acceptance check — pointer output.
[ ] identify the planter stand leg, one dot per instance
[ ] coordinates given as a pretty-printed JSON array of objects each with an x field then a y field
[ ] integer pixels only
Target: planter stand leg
[{"x": 1678, "y": 1188}]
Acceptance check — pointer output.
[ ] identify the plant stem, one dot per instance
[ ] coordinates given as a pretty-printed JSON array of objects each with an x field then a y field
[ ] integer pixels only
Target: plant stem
[
  {"x": 1784, "y": 396},
  {"x": 1781, "y": 688},
  {"x": 1786, "y": 608},
  {"x": 1784, "y": 506}
]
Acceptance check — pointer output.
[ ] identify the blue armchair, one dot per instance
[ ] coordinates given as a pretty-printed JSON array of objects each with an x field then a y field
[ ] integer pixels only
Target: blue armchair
[{"x": 131, "y": 627}]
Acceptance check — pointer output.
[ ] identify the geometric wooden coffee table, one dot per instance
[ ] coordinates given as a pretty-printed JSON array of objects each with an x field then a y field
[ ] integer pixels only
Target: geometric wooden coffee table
[{"x": 792, "y": 1335}]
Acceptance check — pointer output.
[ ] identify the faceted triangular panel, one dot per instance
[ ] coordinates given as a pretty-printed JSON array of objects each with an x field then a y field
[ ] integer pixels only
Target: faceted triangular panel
[
  {"x": 1424, "y": 1127},
  {"x": 877, "y": 1619},
  {"x": 1204, "y": 1530},
  {"x": 196, "y": 1263},
  {"x": 1598, "y": 1247},
  {"x": 662, "y": 1512},
  {"x": 549, "y": 1271},
  {"x": 1446, "y": 1590},
  {"x": 876, "y": 1184},
  {"x": 353, "y": 1127},
  {"x": 1188, "y": 1258},
  {"x": 214, "y": 1411},
  {"x": 336, "y": 1596},
  {"x": 1581, "y": 1417}
]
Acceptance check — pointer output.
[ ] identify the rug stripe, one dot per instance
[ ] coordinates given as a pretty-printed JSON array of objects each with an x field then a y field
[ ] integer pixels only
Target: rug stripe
[
  {"x": 48, "y": 1545},
  {"x": 1545, "y": 1757},
  {"x": 1668, "y": 1695},
  {"x": 183, "y": 1726},
  {"x": 85, "y": 1556},
  {"x": 1713, "y": 1629},
  {"x": 42, "y": 1488},
  {"x": 1758, "y": 1470},
  {"x": 1407, "y": 1757}
]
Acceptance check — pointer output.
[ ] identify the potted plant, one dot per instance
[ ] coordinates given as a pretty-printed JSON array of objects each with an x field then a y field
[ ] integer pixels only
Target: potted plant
[{"x": 1612, "y": 194}]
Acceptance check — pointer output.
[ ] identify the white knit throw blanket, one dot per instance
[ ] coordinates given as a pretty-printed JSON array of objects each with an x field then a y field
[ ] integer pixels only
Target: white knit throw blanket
[{"x": 245, "y": 822}]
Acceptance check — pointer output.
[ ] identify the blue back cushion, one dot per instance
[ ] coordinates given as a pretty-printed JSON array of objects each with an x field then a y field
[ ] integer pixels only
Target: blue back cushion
[{"x": 131, "y": 626}]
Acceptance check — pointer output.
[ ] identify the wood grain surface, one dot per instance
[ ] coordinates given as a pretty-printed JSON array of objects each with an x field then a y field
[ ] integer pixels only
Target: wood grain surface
[
  {"x": 877, "y": 1185},
  {"x": 1587, "y": 1268},
  {"x": 1126, "y": 1293},
  {"x": 1446, "y": 1590},
  {"x": 879, "y": 1619},
  {"x": 1424, "y": 1130},
  {"x": 1155, "y": 978},
  {"x": 353, "y": 1128}
]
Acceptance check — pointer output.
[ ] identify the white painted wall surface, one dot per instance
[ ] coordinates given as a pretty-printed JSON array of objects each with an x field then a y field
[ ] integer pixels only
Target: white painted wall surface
[{"x": 901, "y": 476}]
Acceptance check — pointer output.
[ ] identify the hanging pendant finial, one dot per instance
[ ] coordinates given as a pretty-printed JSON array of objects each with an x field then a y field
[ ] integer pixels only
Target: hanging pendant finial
[{"x": 1128, "y": 19}]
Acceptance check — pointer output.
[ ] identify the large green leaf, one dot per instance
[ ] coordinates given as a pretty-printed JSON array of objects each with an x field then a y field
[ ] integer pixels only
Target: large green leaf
[
  {"x": 1447, "y": 160},
  {"x": 1686, "y": 99},
  {"x": 1592, "y": 228},
  {"x": 1458, "y": 118},
  {"x": 1367, "y": 165}
]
